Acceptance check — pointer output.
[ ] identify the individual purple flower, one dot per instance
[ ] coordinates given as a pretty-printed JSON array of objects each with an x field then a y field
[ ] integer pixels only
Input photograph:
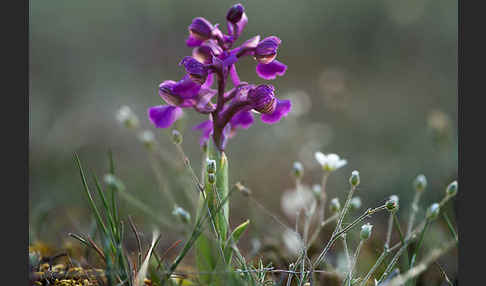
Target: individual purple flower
[
  {"x": 214, "y": 59},
  {"x": 262, "y": 98},
  {"x": 200, "y": 30},
  {"x": 266, "y": 50},
  {"x": 264, "y": 101},
  {"x": 180, "y": 93}
]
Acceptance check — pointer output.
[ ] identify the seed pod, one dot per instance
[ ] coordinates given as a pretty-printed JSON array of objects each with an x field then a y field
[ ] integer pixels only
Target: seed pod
[
  {"x": 212, "y": 178},
  {"x": 211, "y": 166}
]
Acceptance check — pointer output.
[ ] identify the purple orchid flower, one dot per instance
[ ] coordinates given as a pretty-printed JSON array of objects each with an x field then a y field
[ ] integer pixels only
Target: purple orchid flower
[{"x": 214, "y": 59}]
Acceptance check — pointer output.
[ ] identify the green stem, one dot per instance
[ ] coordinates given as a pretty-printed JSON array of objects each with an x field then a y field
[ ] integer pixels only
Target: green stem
[
  {"x": 402, "y": 237},
  {"x": 337, "y": 234},
  {"x": 449, "y": 225},
  {"x": 373, "y": 269},
  {"x": 417, "y": 248}
]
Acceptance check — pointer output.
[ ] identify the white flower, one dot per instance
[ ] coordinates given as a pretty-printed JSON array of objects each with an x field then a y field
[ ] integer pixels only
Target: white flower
[
  {"x": 126, "y": 116},
  {"x": 293, "y": 242},
  {"x": 295, "y": 200},
  {"x": 330, "y": 162}
]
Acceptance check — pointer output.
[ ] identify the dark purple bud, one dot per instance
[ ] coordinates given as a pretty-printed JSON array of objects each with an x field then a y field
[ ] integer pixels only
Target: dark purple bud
[
  {"x": 266, "y": 51},
  {"x": 237, "y": 21},
  {"x": 263, "y": 99},
  {"x": 196, "y": 70},
  {"x": 200, "y": 29},
  {"x": 235, "y": 13}
]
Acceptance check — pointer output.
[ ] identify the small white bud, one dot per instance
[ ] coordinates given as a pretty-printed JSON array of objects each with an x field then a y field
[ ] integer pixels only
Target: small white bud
[
  {"x": 366, "y": 231},
  {"x": 113, "y": 182},
  {"x": 354, "y": 179},
  {"x": 433, "y": 211},
  {"x": 451, "y": 190},
  {"x": 181, "y": 214},
  {"x": 176, "y": 137},
  {"x": 392, "y": 203},
  {"x": 317, "y": 190},
  {"x": 335, "y": 205},
  {"x": 355, "y": 203},
  {"x": 298, "y": 170},
  {"x": 147, "y": 138},
  {"x": 126, "y": 116},
  {"x": 420, "y": 183}
]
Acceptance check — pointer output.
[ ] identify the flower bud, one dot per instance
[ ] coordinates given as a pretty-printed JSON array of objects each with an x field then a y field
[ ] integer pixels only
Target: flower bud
[
  {"x": 176, "y": 137},
  {"x": 126, "y": 116},
  {"x": 365, "y": 231},
  {"x": 147, "y": 138},
  {"x": 354, "y": 179},
  {"x": 211, "y": 178},
  {"x": 235, "y": 13},
  {"x": 420, "y": 183},
  {"x": 335, "y": 205},
  {"x": 392, "y": 203},
  {"x": 298, "y": 170},
  {"x": 211, "y": 166},
  {"x": 452, "y": 189},
  {"x": 433, "y": 211},
  {"x": 355, "y": 203},
  {"x": 317, "y": 190},
  {"x": 181, "y": 214}
]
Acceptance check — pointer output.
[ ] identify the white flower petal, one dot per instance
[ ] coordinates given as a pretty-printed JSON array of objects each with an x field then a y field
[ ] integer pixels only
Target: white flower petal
[{"x": 321, "y": 158}]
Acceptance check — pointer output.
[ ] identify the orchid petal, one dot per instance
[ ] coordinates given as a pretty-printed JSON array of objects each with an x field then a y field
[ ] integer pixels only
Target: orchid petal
[
  {"x": 207, "y": 130},
  {"x": 282, "y": 109},
  {"x": 271, "y": 70},
  {"x": 163, "y": 116}
]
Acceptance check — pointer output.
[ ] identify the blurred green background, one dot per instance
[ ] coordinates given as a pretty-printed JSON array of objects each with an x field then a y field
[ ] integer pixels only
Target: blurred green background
[{"x": 374, "y": 81}]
